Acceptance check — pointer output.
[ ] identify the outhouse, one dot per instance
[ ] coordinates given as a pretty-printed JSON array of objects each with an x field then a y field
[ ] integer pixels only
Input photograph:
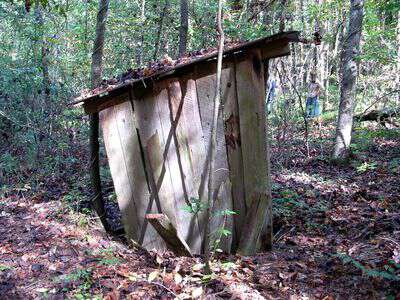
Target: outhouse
[{"x": 156, "y": 131}]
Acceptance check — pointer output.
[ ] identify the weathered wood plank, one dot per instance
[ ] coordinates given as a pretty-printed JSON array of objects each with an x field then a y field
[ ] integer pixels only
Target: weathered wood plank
[
  {"x": 221, "y": 218},
  {"x": 253, "y": 128},
  {"x": 170, "y": 235},
  {"x": 177, "y": 194},
  {"x": 234, "y": 151},
  {"x": 266, "y": 238},
  {"x": 120, "y": 169},
  {"x": 154, "y": 144},
  {"x": 191, "y": 127},
  {"x": 205, "y": 95},
  {"x": 187, "y": 141},
  {"x": 132, "y": 155},
  {"x": 120, "y": 142}
]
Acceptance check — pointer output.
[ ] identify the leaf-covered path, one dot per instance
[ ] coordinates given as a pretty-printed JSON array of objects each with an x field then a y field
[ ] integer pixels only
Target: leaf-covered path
[{"x": 337, "y": 237}]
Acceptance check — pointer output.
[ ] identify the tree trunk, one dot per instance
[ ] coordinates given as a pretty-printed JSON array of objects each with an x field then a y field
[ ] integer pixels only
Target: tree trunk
[
  {"x": 96, "y": 73},
  {"x": 398, "y": 57},
  {"x": 139, "y": 50},
  {"x": 348, "y": 83},
  {"x": 158, "y": 38},
  {"x": 282, "y": 16},
  {"x": 183, "y": 30},
  {"x": 213, "y": 142}
]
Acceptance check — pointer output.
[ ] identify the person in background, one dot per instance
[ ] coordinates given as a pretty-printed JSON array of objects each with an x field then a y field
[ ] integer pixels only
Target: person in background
[
  {"x": 314, "y": 90},
  {"x": 271, "y": 94}
]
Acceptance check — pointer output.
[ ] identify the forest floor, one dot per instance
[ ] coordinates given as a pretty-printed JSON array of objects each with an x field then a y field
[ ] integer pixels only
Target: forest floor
[{"x": 337, "y": 236}]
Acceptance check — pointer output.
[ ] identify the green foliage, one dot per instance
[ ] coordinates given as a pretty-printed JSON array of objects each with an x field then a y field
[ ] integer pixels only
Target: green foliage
[
  {"x": 195, "y": 206},
  {"x": 390, "y": 271},
  {"x": 366, "y": 166},
  {"x": 108, "y": 257},
  {"x": 82, "y": 278},
  {"x": 394, "y": 165},
  {"x": 9, "y": 163},
  {"x": 225, "y": 212},
  {"x": 5, "y": 268},
  {"x": 287, "y": 203},
  {"x": 73, "y": 198}
]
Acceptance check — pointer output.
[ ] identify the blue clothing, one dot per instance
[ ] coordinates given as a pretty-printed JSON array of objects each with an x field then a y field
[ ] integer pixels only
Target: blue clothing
[
  {"x": 271, "y": 92},
  {"x": 271, "y": 95},
  {"x": 312, "y": 107}
]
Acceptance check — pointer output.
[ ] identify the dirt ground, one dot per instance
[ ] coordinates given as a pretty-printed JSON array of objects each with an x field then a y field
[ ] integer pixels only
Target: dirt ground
[{"x": 337, "y": 236}]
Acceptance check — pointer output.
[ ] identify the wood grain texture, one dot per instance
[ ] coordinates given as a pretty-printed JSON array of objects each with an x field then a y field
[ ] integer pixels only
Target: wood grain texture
[
  {"x": 205, "y": 94},
  {"x": 131, "y": 153},
  {"x": 119, "y": 172},
  {"x": 221, "y": 219},
  {"x": 234, "y": 150},
  {"x": 253, "y": 128},
  {"x": 169, "y": 233},
  {"x": 190, "y": 126},
  {"x": 156, "y": 150},
  {"x": 186, "y": 138}
]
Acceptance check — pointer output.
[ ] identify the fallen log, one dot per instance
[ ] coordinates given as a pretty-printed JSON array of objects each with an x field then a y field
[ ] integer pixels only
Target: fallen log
[
  {"x": 382, "y": 116},
  {"x": 169, "y": 234}
]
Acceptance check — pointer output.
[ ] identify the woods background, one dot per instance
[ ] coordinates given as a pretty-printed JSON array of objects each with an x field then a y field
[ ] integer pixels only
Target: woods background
[{"x": 45, "y": 58}]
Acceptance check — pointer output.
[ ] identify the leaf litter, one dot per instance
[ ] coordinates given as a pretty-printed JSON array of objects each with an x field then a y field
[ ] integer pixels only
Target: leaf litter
[{"x": 337, "y": 236}]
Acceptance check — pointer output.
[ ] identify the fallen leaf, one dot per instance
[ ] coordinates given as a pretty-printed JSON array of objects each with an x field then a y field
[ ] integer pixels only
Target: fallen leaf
[
  {"x": 197, "y": 292},
  {"x": 178, "y": 278},
  {"x": 198, "y": 267},
  {"x": 153, "y": 275}
]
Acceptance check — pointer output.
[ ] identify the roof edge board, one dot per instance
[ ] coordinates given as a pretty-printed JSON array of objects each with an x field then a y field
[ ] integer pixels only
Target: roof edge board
[{"x": 285, "y": 37}]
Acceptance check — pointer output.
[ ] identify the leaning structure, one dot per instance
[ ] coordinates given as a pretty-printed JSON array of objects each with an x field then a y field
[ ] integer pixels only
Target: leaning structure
[{"x": 156, "y": 132}]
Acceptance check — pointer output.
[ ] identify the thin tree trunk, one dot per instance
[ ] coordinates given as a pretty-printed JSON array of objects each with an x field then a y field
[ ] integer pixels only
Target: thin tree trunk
[
  {"x": 183, "y": 29},
  {"x": 282, "y": 16},
  {"x": 316, "y": 50},
  {"x": 96, "y": 73},
  {"x": 348, "y": 84},
  {"x": 46, "y": 122},
  {"x": 158, "y": 38},
  {"x": 139, "y": 50},
  {"x": 217, "y": 100},
  {"x": 398, "y": 57}
]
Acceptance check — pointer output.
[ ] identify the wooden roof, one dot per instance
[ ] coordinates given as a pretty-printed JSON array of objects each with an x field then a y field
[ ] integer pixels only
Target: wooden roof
[{"x": 272, "y": 46}]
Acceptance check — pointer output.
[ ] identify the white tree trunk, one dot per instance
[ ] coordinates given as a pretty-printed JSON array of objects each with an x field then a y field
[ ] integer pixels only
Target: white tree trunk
[
  {"x": 351, "y": 49},
  {"x": 398, "y": 57}
]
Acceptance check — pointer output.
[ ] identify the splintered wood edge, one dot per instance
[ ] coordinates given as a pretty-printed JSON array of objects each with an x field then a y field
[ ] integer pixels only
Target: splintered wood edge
[{"x": 155, "y": 216}]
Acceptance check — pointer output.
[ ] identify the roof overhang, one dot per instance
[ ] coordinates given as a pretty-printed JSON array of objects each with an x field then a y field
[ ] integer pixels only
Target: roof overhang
[{"x": 271, "y": 47}]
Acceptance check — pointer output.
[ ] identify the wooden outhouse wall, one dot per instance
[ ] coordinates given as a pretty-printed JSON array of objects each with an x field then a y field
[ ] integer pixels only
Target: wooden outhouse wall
[{"x": 158, "y": 150}]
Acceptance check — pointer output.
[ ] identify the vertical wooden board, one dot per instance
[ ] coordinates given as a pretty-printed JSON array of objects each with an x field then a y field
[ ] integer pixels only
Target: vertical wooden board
[
  {"x": 181, "y": 108},
  {"x": 150, "y": 130},
  {"x": 190, "y": 126},
  {"x": 205, "y": 95},
  {"x": 220, "y": 219},
  {"x": 184, "y": 220},
  {"x": 120, "y": 172},
  {"x": 126, "y": 129},
  {"x": 170, "y": 190},
  {"x": 253, "y": 128},
  {"x": 266, "y": 237},
  {"x": 234, "y": 150},
  {"x": 161, "y": 175}
]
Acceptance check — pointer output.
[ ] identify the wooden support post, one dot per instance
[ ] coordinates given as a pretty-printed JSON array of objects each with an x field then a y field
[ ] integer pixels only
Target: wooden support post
[
  {"x": 234, "y": 151},
  {"x": 169, "y": 234},
  {"x": 256, "y": 169}
]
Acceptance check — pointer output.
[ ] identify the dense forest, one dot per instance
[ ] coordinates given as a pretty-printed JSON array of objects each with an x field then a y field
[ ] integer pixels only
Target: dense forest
[{"x": 332, "y": 108}]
